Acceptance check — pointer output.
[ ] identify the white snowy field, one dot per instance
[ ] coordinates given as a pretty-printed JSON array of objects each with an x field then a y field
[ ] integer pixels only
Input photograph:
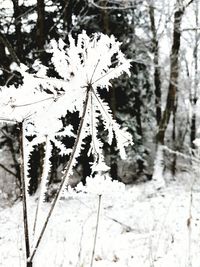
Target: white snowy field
[{"x": 138, "y": 228}]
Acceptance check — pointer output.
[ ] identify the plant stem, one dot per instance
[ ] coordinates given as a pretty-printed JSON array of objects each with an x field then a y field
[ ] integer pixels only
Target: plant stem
[
  {"x": 65, "y": 175},
  {"x": 24, "y": 199},
  {"x": 96, "y": 231}
]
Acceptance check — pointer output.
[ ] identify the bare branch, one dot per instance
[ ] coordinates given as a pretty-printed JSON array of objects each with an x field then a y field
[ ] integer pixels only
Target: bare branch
[
  {"x": 33, "y": 103},
  {"x": 112, "y": 7},
  {"x": 191, "y": 29},
  {"x": 7, "y": 170},
  {"x": 190, "y": 2},
  {"x": 6, "y": 120},
  {"x": 7, "y": 135},
  {"x": 7, "y": 44}
]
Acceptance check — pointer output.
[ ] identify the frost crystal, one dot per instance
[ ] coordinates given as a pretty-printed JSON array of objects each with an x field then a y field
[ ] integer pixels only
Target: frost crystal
[{"x": 101, "y": 185}]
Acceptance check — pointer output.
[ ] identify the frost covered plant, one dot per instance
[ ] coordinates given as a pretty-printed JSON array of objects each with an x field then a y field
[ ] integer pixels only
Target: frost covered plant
[
  {"x": 101, "y": 185},
  {"x": 85, "y": 67}
]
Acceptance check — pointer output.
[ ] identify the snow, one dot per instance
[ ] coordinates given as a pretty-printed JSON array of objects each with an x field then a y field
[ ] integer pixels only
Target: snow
[{"x": 136, "y": 228}]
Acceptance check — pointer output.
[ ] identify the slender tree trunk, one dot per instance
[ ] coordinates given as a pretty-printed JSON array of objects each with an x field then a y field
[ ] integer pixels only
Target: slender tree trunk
[
  {"x": 194, "y": 97},
  {"x": 174, "y": 161},
  {"x": 137, "y": 97},
  {"x": 40, "y": 33},
  {"x": 137, "y": 111},
  {"x": 18, "y": 26},
  {"x": 193, "y": 130},
  {"x": 4, "y": 64},
  {"x": 113, "y": 152},
  {"x": 105, "y": 19},
  {"x": 170, "y": 107},
  {"x": 174, "y": 69},
  {"x": 157, "y": 79},
  {"x": 7, "y": 44},
  {"x": 68, "y": 15}
]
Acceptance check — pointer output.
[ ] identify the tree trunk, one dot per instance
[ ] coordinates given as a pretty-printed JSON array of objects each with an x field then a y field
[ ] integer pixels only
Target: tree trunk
[
  {"x": 68, "y": 14},
  {"x": 193, "y": 130},
  {"x": 18, "y": 26},
  {"x": 174, "y": 69},
  {"x": 194, "y": 97},
  {"x": 105, "y": 19},
  {"x": 7, "y": 44},
  {"x": 4, "y": 64},
  {"x": 113, "y": 152},
  {"x": 40, "y": 33},
  {"x": 157, "y": 79},
  {"x": 174, "y": 156}
]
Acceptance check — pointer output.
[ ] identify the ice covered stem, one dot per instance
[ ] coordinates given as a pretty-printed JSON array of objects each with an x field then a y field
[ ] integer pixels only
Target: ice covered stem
[
  {"x": 96, "y": 230},
  {"x": 66, "y": 174},
  {"x": 24, "y": 196}
]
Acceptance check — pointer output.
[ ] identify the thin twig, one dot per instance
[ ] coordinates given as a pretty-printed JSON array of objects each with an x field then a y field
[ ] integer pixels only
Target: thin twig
[
  {"x": 32, "y": 103},
  {"x": 190, "y": 2},
  {"x": 7, "y": 135},
  {"x": 191, "y": 29},
  {"x": 7, "y": 44},
  {"x": 6, "y": 169},
  {"x": 10, "y": 72},
  {"x": 25, "y": 212},
  {"x": 94, "y": 71},
  {"x": 9, "y": 79},
  {"x": 96, "y": 230},
  {"x": 60, "y": 16},
  {"x": 8, "y": 120},
  {"x": 111, "y": 7},
  {"x": 107, "y": 73}
]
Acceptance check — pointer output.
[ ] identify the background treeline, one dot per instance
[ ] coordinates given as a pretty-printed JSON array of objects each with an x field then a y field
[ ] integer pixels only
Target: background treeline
[{"x": 158, "y": 103}]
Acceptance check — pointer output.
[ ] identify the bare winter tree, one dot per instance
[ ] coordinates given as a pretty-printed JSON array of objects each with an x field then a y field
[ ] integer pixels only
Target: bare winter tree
[
  {"x": 174, "y": 71},
  {"x": 18, "y": 26},
  {"x": 40, "y": 33},
  {"x": 194, "y": 93},
  {"x": 157, "y": 78}
]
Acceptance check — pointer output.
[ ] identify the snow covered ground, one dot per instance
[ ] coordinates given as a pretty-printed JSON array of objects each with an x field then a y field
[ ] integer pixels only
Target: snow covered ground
[{"x": 138, "y": 227}]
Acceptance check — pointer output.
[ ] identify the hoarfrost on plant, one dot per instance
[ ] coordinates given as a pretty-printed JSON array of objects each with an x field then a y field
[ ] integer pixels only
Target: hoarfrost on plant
[
  {"x": 101, "y": 185},
  {"x": 84, "y": 66}
]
